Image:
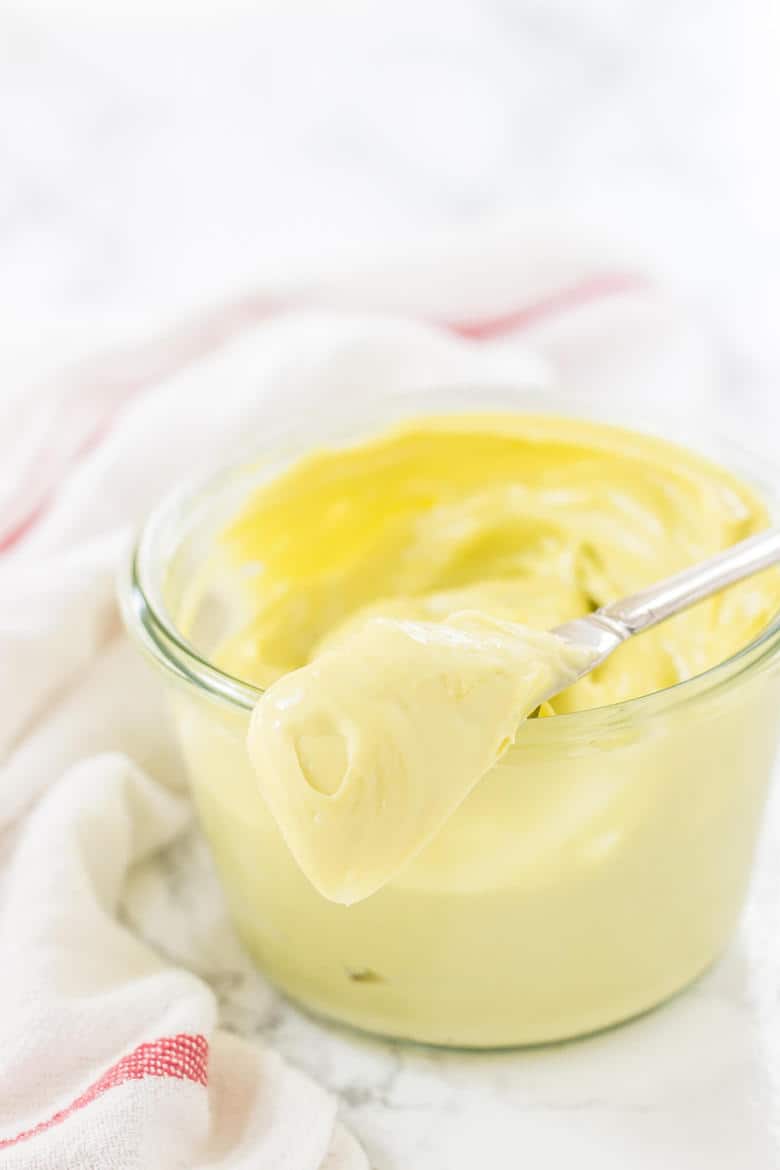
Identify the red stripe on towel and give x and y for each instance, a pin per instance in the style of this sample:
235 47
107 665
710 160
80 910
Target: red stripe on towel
182 1058
577 296
165 356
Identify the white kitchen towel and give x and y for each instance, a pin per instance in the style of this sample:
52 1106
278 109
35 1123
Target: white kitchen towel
109 1058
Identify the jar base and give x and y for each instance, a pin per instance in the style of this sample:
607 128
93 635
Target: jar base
363 1023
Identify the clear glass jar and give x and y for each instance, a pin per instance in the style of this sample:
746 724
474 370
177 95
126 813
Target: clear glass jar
486 938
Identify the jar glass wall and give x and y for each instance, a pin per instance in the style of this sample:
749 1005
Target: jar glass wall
598 868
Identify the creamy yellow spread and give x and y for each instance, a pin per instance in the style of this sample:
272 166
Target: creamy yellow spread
363 754
399 592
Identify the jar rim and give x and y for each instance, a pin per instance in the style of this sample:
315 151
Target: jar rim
148 620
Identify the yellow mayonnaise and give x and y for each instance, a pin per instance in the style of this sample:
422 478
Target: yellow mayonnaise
364 754
511 883
536 520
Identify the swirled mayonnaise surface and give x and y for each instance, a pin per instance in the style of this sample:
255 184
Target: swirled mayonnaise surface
399 593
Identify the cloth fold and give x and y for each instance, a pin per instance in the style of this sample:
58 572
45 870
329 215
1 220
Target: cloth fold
110 1058
133 1071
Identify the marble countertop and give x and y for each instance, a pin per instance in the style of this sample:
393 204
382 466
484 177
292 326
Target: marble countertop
155 155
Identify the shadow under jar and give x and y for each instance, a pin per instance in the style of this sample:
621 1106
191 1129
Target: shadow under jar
597 869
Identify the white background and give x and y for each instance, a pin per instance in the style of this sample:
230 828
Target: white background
152 154
156 155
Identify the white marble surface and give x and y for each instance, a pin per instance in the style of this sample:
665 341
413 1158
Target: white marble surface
152 155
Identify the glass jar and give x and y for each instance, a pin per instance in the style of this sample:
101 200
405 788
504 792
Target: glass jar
594 872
